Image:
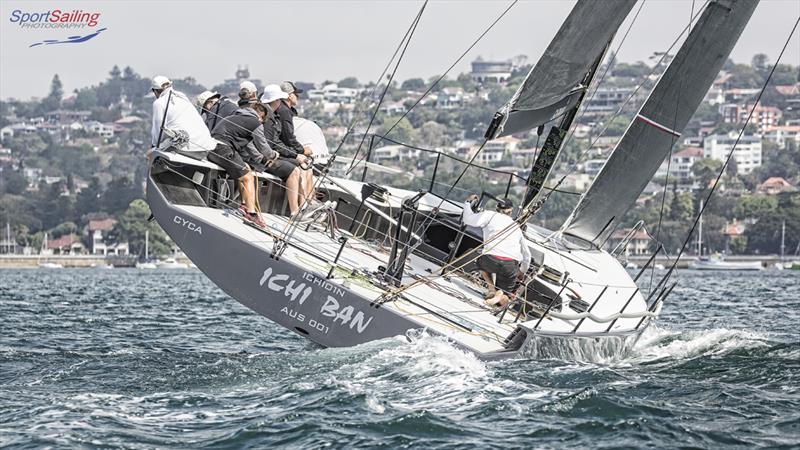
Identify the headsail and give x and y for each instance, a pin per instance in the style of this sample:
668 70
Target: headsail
660 121
554 84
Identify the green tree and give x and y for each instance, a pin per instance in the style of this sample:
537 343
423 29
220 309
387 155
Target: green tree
133 225
13 181
413 84
349 82
755 206
53 99
682 207
62 229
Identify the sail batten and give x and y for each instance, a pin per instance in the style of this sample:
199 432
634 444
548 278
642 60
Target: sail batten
660 121
554 83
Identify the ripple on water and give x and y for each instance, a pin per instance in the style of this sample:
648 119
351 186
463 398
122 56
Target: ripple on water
123 358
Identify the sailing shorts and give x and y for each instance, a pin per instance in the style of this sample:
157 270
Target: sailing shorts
505 271
281 168
228 159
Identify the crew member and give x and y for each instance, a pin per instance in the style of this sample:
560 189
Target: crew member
264 139
505 251
173 113
214 107
293 149
234 134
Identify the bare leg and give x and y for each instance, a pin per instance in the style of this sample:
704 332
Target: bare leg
487 277
309 184
292 191
247 188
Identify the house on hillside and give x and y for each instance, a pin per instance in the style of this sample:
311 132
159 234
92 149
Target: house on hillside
775 186
98 230
69 244
638 244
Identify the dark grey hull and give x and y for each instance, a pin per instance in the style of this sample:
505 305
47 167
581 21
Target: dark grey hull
279 290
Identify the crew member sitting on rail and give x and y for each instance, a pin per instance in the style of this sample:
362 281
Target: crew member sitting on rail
293 150
214 107
233 134
174 115
273 97
505 251
263 140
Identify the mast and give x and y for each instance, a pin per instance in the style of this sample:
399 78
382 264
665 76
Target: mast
541 168
146 245
783 238
8 237
700 233
659 122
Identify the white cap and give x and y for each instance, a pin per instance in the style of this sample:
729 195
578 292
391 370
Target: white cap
273 92
249 86
204 97
160 82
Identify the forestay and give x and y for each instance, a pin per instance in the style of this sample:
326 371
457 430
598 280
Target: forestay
660 121
554 84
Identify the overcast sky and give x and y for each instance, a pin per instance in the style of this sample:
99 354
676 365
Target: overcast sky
331 39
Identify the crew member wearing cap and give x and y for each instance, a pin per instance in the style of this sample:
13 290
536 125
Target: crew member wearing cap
285 113
260 150
293 99
214 107
174 111
275 97
505 252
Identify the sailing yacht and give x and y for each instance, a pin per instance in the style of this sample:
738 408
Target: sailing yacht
716 262
46 264
146 264
385 260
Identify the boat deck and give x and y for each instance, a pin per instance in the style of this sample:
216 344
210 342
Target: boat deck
452 306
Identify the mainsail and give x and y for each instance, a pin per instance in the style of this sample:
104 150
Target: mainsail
660 121
554 84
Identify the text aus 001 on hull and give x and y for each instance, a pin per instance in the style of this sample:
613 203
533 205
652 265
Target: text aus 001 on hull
297 292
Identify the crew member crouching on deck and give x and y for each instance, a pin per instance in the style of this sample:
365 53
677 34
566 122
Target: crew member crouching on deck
505 252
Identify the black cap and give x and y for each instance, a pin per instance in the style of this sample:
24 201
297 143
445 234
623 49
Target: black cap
504 204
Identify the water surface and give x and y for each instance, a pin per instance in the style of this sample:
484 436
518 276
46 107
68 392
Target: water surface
144 359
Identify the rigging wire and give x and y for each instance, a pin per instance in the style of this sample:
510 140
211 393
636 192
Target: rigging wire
407 38
441 77
669 166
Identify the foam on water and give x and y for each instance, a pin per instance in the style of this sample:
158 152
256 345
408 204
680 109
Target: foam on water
168 360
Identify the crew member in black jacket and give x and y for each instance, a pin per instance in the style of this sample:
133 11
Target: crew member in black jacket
233 135
291 150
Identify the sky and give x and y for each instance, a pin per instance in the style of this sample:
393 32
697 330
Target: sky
325 39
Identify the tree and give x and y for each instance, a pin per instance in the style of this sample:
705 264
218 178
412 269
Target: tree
63 229
706 170
413 84
119 194
760 62
755 206
53 99
133 225
349 82
682 207
13 181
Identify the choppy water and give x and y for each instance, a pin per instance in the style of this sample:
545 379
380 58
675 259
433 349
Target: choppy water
144 359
